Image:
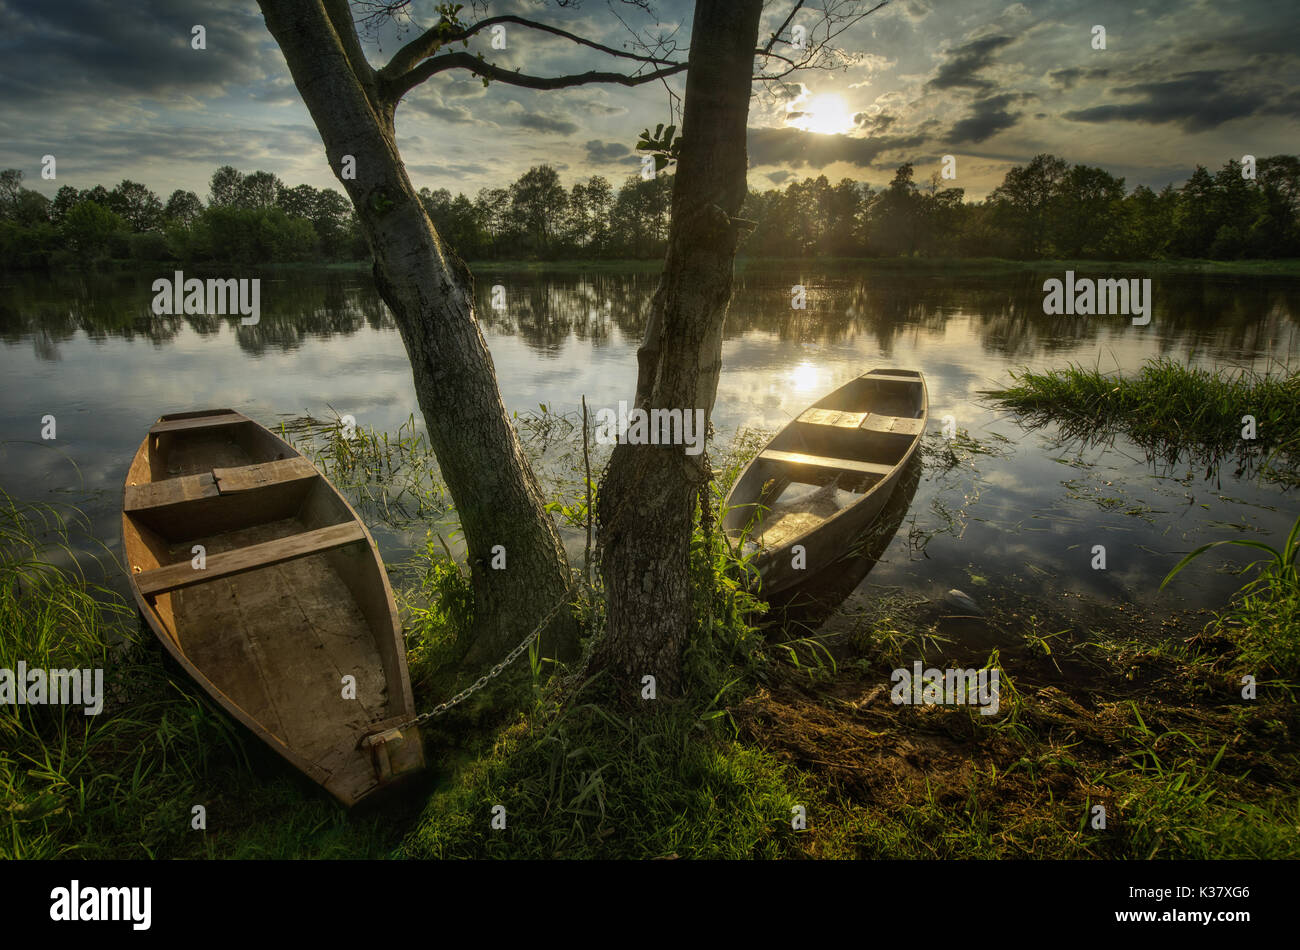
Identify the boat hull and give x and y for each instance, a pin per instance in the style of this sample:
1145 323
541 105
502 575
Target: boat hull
263 585
846 454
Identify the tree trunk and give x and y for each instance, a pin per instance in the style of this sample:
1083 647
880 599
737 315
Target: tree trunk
649 493
430 292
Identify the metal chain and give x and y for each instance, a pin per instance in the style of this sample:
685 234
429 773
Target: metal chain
496 671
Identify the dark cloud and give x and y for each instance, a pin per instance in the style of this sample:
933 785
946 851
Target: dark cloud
988 117
546 123
443 169
963 62
461 89
602 153
795 149
916 10
1198 100
1067 78
874 124
434 108
780 177
1257 42
73 49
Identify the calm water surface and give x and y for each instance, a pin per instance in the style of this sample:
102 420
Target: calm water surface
87 350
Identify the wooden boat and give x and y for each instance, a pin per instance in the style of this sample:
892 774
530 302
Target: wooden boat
802 500
290 597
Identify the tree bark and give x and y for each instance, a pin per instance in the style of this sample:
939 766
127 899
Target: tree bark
648 496
430 292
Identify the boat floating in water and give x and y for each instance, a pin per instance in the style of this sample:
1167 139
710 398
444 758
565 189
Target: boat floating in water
263 584
822 479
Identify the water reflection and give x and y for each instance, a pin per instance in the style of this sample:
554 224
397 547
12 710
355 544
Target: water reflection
87 349
804 608
1213 313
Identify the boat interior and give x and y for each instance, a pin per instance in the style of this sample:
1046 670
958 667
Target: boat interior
263 621
829 458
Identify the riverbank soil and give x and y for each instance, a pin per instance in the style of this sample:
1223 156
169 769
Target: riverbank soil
1139 713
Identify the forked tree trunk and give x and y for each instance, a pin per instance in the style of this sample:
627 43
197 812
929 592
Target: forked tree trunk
430 292
649 493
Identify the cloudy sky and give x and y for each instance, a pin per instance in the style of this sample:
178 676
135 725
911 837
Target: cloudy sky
114 90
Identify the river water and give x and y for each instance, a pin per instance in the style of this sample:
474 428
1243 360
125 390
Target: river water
87 350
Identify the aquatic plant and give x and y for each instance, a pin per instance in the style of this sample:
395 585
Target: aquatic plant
1172 411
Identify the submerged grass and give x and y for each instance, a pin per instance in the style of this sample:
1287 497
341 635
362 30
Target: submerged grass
1172 411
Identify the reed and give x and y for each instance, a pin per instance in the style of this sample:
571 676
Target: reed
1172 411
1263 619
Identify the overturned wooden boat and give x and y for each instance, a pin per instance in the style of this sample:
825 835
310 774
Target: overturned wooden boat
821 481
262 583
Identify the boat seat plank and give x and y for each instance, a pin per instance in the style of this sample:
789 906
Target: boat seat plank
171 491
175 576
197 422
900 425
249 477
833 417
891 378
819 461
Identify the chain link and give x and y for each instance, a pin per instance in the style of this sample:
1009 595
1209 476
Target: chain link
496 671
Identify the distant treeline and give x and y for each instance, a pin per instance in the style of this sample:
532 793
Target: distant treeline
1044 209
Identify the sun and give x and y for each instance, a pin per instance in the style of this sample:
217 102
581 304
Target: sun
827 114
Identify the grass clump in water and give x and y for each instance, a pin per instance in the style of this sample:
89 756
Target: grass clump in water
1172 411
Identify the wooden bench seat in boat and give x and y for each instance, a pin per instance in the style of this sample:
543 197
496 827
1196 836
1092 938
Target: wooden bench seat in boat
173 491
220 481
197 422
891 378
833 417
898 425
254 556
819 461
249 477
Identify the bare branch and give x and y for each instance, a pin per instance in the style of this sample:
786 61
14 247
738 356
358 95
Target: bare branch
781 29
821 53
394 89
430 41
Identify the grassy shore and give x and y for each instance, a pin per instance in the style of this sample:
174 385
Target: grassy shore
1140 715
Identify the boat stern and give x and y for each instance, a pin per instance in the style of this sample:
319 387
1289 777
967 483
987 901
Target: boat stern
394 753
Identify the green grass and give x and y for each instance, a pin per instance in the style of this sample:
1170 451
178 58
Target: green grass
582 775
581 772
123 784
389 478
1170 410
1264 617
